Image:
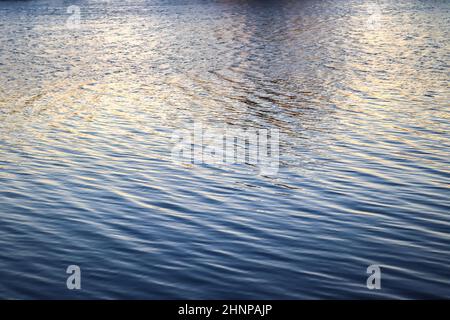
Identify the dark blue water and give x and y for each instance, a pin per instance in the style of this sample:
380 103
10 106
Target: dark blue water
358 89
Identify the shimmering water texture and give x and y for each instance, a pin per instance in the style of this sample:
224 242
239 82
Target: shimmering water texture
358 90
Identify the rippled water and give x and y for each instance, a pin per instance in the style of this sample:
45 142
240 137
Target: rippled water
358 89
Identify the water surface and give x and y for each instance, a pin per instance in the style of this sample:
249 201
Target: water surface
358 89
